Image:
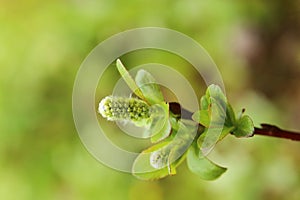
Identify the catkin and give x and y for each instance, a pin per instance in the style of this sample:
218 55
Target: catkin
124 109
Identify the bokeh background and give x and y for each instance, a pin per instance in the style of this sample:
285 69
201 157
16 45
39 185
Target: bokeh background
256 45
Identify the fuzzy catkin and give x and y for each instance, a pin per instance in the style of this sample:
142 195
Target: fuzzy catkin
124 109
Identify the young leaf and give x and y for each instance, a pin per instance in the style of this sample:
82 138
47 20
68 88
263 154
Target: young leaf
244 127
202 117
202 166
215 92
230 116
160 127
217 112
216 134
213 108
213 116
204 102
148 86
184 136
163 133
129 80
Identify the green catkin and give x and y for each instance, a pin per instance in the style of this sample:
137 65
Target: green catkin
124 109
161 157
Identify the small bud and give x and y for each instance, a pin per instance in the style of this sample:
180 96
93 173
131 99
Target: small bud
159 158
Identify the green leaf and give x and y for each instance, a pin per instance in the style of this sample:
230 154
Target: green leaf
215 92
143 168
226 130
160 127
217 112
212 116
211 136
163 133
202 117
129 80
230 116
204 103
174 122
202 166
148 86
213 107
244 127
184 136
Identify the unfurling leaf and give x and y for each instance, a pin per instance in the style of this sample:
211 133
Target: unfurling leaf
213 108
230 116
214 91
160 127
202 117
129 80
212 116
150 89
244 127
216 134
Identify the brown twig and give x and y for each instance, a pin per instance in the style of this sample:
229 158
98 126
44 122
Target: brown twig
274 131
266 129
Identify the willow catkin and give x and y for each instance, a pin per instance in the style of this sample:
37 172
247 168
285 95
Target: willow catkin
124 109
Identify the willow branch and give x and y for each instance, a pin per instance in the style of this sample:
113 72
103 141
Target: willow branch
274 131
266 129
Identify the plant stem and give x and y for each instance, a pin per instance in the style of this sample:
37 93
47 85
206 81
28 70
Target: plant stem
266 129
274 131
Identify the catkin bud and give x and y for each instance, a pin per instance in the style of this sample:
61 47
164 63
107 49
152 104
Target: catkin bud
159 158
124 109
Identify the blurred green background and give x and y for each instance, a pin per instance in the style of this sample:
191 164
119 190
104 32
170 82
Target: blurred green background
256 45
